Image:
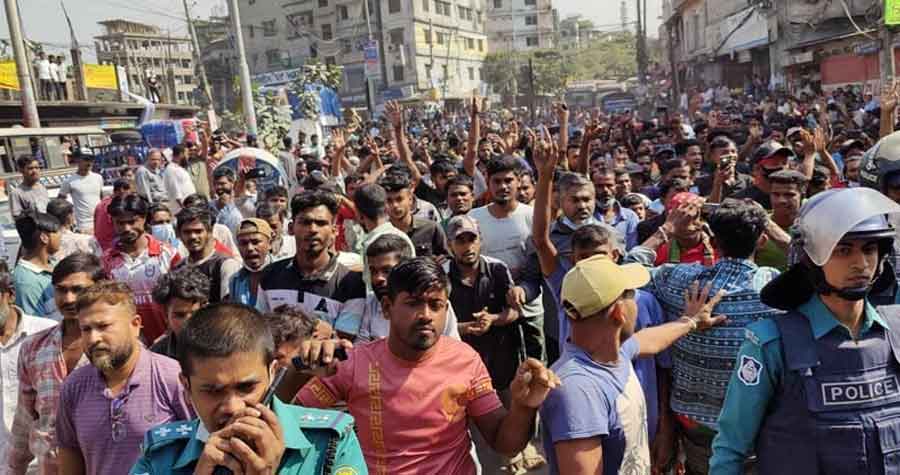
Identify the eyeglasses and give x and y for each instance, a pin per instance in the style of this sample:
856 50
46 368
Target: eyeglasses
117 416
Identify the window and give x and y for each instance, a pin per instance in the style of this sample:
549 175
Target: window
355 79
442 8
252 32
444 69
481 45
299 23
269 28
346 46
531 41
470 43
498 3
394 6
326 32
398 72
273 58
480 73
425 5
465 13
343 12
428 70
330 60
531 20
471 73
530 2
252 2
440 37
323 3
427 32
397 36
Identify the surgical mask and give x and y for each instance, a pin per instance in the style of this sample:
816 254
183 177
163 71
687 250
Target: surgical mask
164 233
268 261
571 224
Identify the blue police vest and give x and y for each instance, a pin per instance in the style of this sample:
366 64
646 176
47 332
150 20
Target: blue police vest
837 410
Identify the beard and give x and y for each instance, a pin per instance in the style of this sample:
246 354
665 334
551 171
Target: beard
380 292
129 237
111 358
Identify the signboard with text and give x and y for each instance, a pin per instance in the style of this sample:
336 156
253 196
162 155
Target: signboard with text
370 53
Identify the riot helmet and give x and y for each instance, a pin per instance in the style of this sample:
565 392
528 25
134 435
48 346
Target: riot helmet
880 162
824 221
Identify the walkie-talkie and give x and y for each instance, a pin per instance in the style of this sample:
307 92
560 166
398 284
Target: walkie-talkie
265 401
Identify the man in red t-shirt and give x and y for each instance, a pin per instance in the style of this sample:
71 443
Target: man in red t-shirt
104 230
414 393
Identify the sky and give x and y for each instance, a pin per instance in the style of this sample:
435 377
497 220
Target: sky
44 21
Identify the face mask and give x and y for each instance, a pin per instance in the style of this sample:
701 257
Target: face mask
164 233
568 222
265 264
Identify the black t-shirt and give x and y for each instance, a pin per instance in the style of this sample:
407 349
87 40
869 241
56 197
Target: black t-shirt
758 195
428 237
430 194
501 348
336 294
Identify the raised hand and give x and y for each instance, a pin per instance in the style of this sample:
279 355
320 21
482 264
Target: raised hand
394 112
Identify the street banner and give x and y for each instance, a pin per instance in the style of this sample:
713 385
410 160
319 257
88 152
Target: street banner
370 53
9 78
100 76
892 12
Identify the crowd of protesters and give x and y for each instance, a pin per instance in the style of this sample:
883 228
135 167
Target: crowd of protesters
454 293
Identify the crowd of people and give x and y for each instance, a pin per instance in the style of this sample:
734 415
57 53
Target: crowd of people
434 292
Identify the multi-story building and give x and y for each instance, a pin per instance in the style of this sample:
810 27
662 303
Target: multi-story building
145 50
426 48
518 25
575 31
798 45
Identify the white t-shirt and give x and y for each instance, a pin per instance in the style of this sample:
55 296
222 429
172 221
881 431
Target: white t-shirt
43 66
54 72
85 192
178 185
505 239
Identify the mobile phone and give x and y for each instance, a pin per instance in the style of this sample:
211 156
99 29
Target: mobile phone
340 354
265 401
255 173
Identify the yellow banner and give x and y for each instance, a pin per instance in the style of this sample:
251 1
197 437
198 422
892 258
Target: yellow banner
8 77
100 76
891 12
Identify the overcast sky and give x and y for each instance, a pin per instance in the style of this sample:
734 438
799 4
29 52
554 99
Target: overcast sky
44 20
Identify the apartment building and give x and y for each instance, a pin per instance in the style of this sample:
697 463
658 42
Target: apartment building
427 48
518 25
147 50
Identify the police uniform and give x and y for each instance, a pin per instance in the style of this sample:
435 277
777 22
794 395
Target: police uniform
806 395
317 442
810 399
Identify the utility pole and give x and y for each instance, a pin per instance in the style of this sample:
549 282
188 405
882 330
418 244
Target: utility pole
639 43
246 87
531 84
370 83
23 68
197 57
888 67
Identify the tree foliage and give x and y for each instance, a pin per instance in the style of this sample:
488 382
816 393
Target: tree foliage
613 56
315 73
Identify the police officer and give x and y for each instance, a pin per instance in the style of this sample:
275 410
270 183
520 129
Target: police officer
227 362
815 390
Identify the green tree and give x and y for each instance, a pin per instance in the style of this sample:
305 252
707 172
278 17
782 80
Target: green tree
315 73
273 118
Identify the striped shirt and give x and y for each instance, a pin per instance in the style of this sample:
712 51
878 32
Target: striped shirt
42 371
108 429
141 274
702 362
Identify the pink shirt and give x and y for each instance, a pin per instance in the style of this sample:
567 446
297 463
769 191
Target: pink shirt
412 416
104 230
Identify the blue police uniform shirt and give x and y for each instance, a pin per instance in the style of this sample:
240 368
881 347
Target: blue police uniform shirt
311 436
758 370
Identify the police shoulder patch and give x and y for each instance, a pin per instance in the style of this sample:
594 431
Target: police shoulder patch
168 433
761 332
749 370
